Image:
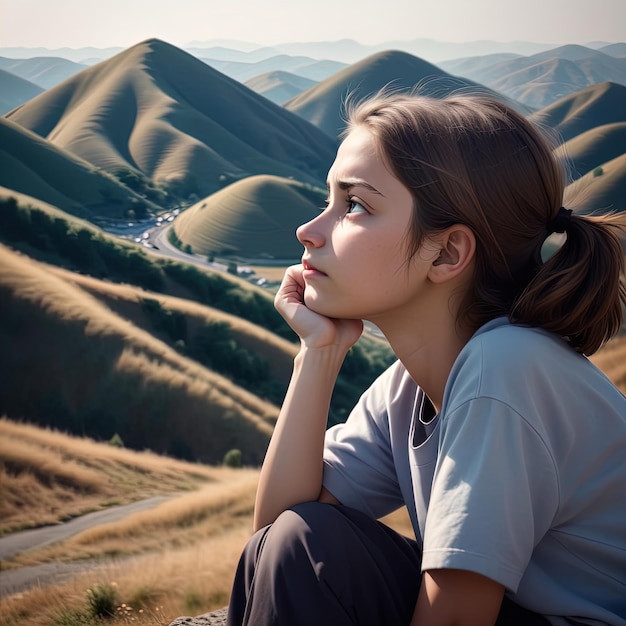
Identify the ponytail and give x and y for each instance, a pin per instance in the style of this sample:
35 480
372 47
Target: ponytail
578 293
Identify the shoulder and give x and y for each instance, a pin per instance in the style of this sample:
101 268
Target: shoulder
508 362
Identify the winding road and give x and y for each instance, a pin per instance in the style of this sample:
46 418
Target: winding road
18 579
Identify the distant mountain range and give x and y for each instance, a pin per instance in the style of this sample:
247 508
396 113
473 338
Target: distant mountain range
543 78
344 50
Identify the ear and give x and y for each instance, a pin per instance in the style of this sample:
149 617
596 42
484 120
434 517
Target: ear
457 246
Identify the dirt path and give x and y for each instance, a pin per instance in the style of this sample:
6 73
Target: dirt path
15 580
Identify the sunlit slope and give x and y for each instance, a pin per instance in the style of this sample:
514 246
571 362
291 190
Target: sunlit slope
158 110
69 360
603 189
604 103
322 105
15 90
279 86
256 218
595 147
35 166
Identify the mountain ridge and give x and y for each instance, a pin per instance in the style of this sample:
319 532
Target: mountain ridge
153 109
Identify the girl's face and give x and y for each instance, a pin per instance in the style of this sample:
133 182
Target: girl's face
354 261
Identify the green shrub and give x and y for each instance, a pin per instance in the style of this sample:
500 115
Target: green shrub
116 441
233 458
101 600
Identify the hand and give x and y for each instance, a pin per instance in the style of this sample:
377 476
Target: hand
315 330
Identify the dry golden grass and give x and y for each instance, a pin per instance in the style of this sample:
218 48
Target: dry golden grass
611 359
102 359
178 558
151 589
184 551
126 301
182 521
47 476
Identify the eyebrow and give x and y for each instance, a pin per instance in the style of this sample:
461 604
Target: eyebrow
354 182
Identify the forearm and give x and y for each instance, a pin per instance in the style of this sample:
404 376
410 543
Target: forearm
292 470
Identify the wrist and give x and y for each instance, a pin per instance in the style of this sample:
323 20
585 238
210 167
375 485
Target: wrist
328 359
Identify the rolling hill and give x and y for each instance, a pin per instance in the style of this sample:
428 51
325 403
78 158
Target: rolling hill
111 376
279 86
322 104
603 189
45 72
34 166
595 147
156 110
253 218
15 90
592 126
584 110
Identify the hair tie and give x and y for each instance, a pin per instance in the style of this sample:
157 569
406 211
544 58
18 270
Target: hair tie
561 222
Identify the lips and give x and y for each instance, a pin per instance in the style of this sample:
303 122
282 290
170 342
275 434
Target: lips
310 270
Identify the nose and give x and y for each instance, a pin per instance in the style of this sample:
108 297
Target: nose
310 235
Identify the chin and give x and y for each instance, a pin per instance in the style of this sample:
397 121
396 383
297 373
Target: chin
329 309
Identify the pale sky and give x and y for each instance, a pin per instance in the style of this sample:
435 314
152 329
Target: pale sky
108 23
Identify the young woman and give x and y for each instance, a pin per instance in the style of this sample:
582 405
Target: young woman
505 443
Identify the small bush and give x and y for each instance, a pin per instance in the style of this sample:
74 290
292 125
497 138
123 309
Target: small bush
101 599
233 458
598 171
116 441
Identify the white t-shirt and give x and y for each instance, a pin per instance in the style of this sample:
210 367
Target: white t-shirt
521 477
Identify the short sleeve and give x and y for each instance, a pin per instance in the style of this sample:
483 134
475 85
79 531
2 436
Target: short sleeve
359 467
494 493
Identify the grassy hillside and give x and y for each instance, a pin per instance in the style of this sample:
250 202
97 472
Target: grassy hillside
158 112
253 218
322 105
588 108
603 189
595 147
184 551
15 90
32 165
175 353
70 361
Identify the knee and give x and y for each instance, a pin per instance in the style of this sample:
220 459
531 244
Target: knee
304 521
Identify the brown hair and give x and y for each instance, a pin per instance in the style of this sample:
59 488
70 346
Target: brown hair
473 160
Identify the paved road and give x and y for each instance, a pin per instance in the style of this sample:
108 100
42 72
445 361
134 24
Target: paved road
21 578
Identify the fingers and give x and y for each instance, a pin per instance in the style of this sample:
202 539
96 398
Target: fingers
291 290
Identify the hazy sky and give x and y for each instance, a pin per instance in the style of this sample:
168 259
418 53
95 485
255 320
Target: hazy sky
103 23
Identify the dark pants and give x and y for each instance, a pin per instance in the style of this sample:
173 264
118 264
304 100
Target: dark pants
326 565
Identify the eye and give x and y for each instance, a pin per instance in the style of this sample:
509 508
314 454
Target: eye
355 207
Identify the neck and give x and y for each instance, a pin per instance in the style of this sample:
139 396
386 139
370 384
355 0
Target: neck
427 346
